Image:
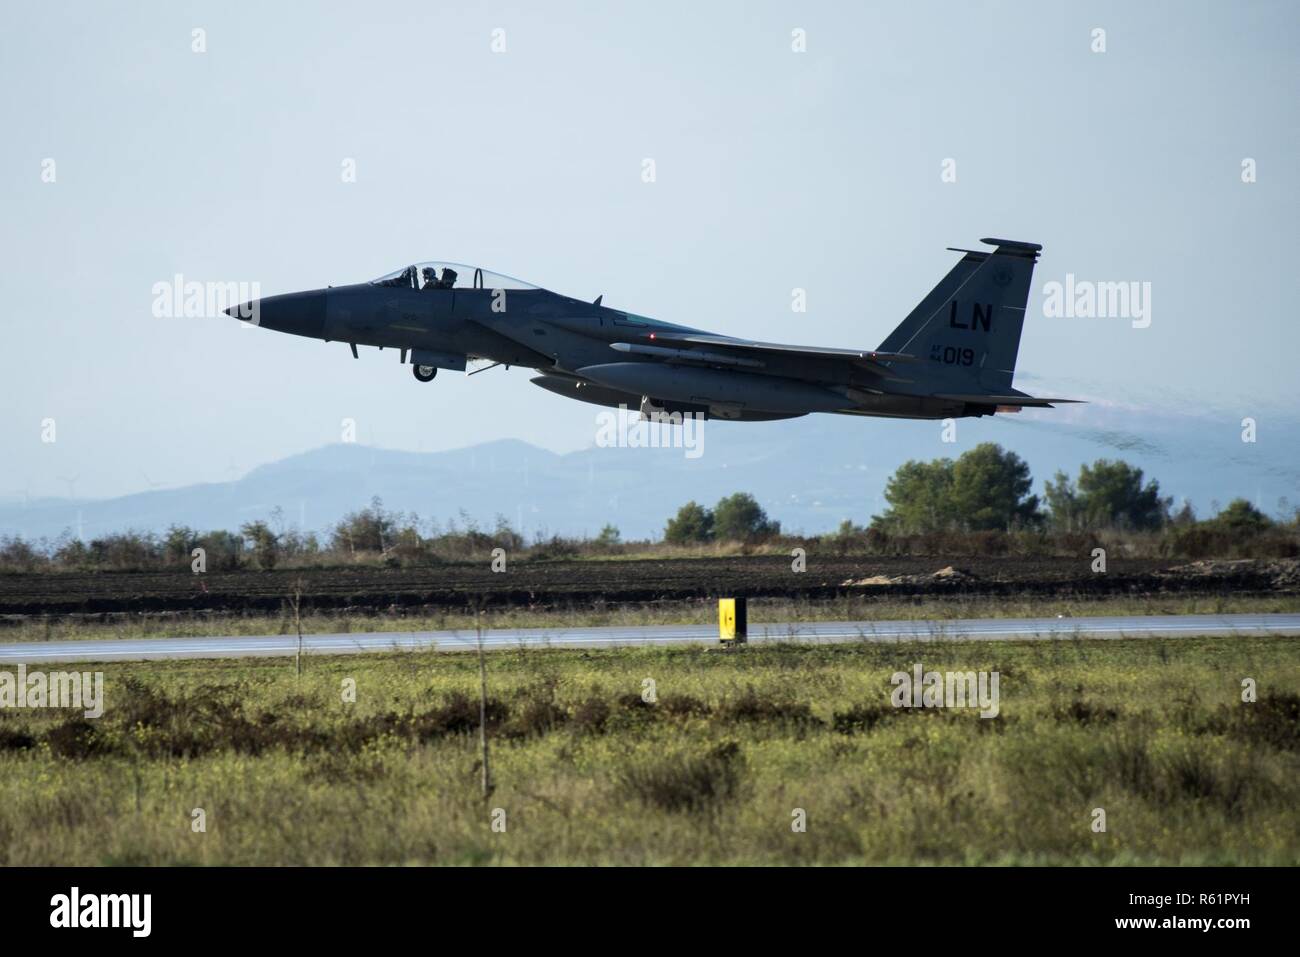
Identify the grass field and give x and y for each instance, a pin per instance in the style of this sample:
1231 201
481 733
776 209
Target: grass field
715 770
703 612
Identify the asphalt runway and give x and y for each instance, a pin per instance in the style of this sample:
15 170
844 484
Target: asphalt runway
973 629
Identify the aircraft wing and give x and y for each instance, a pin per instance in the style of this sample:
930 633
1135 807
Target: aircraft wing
752 353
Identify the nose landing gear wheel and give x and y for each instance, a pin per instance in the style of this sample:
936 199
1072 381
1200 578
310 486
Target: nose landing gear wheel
424 373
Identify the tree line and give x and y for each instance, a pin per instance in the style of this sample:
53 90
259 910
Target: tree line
982 502
988 491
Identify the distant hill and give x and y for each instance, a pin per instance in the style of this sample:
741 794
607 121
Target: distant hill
809 473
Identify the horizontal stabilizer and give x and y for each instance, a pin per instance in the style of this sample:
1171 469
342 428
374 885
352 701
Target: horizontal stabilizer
1025 400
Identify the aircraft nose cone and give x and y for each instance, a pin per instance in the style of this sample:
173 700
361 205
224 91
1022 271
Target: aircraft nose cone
297 313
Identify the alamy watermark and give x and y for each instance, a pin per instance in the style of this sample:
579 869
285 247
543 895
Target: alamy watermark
57 689
130 911
946 689
179 298
1085 299
656 429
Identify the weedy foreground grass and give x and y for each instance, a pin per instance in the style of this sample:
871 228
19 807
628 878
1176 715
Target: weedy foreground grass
776 754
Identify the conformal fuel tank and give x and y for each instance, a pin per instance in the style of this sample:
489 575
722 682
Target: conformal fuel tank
715 387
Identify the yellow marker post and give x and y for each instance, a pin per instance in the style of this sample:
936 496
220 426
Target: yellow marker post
733 621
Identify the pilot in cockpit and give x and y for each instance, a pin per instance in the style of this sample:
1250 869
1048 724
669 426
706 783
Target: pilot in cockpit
430 277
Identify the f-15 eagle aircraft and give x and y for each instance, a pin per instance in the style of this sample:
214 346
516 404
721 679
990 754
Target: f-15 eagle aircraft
954 355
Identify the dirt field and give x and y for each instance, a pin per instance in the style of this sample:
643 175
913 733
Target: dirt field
572 584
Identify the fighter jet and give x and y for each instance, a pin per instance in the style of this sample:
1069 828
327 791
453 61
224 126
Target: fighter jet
954 355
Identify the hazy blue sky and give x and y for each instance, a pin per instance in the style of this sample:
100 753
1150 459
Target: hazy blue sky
775 170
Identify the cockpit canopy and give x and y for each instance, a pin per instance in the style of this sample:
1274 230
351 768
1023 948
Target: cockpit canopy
444 275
